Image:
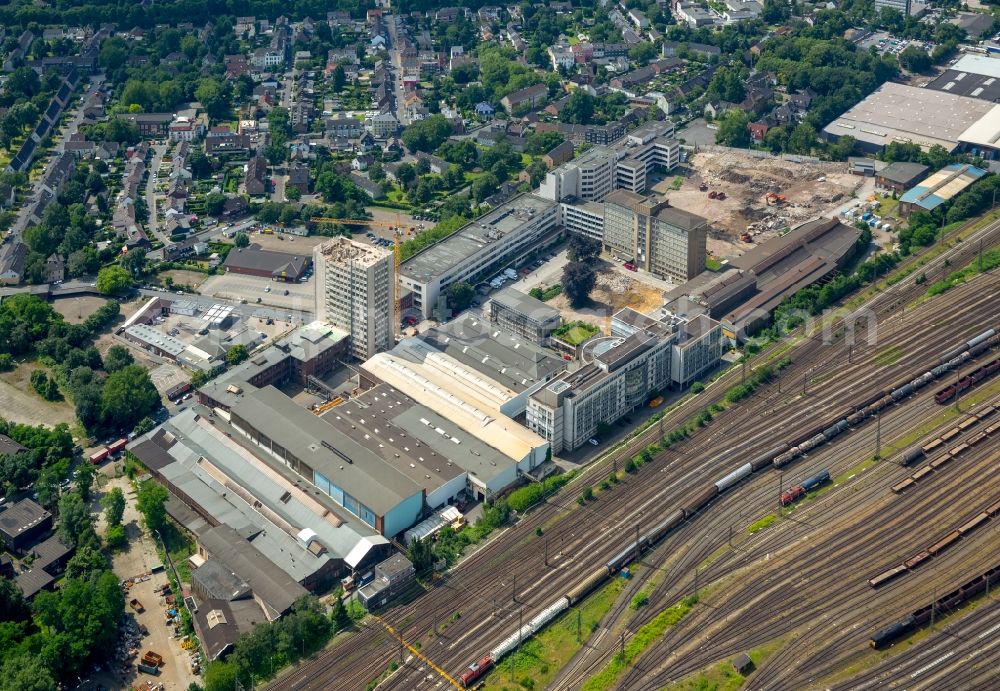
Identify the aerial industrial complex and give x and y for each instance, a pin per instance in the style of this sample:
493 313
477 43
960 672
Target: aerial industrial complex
351 347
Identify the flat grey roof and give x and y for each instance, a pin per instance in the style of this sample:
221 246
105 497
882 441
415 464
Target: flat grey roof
397 423
376 483
525 304
981 86
509 360
685 220
897 112
199 455
903 172
256 259
9 446
471 238
219 582
22 516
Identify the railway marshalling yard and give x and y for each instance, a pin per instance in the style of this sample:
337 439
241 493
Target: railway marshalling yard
789 587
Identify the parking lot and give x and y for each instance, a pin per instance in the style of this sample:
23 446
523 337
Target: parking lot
236 287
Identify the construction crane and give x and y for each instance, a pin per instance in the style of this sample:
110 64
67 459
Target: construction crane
397 232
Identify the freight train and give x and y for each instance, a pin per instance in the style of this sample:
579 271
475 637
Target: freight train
938 547
968 381
779 456
883 638
939 444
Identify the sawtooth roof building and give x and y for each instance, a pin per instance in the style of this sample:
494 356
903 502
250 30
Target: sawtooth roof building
781 266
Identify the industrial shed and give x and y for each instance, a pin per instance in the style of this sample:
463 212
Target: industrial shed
254 261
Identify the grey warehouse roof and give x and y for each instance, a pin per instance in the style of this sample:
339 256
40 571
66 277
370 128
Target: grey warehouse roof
473 237
270 584
507 359
377 484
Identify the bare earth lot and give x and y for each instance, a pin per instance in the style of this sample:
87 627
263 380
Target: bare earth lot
185 277
138 559
811 189
76 310
19 403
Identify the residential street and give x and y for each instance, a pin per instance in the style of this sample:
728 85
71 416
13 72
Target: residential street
159 150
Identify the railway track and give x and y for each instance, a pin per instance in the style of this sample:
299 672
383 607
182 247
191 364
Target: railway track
772 608
964 655
694 544
475 585
664 502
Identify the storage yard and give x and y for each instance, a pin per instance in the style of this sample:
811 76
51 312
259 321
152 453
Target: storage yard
809 189
833 407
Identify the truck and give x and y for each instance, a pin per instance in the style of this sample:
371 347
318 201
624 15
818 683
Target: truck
136 605
148 669
117 447
98 455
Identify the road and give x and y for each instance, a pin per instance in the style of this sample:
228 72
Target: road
399 96
159 150
208 233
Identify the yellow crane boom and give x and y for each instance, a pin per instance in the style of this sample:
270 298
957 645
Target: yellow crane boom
397 233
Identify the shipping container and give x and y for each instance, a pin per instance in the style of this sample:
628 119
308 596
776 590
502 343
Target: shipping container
98 455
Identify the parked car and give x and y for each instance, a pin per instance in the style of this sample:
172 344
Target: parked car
593 441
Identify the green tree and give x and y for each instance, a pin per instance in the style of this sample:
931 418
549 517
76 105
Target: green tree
134 262
150 501
214 203
26 673
115 537
578 109
293 194
642 52
113 503
582 248
84 479
74 519
406 173
241 240
117 357
427 134
484 187
733 129
578 280
802 139
237 354
128 396
144 425
460 295
339 79
113 280
213 95
914 59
